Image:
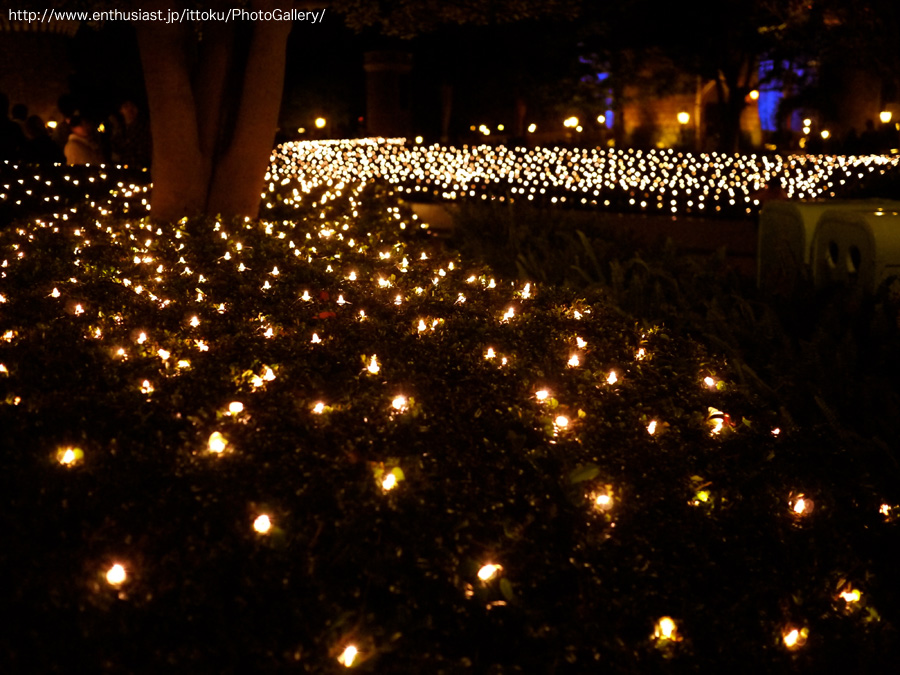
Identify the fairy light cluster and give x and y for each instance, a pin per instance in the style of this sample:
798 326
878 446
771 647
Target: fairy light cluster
159 303
663 181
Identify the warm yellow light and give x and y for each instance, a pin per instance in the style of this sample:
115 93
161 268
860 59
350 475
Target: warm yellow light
683 117
651 428
490 353
794 638
851 595
541 395
262 524
488 572
51 124
570 122
885 116
389 482
574 361
419 139
807 122
69 456
320 123
532 128
603 501
373 366
825 134
116 575
754 95
666 629
561 421
500 127
399 403
217 442
709 382
348 656
612 378
601 119
235 407
802 506
319 408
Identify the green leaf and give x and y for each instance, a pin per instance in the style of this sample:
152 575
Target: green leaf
583 473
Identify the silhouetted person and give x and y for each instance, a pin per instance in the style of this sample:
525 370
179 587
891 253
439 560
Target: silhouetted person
131 143
39 147
868 140
11 137
81 147
19 113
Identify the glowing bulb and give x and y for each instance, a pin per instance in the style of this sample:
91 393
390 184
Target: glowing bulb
612 378
235 407
683 117
399 403
651 428
195 321
802 506
541 395
262 524
794 638
115 575
269 375
319 408
488 572
348 656
373 366
574 361
603 501
666 629
69 456
561 421
709 382
389 482
142 338
320 123
510 313
850 595
885 116
489 354
315 339
580 342
217 442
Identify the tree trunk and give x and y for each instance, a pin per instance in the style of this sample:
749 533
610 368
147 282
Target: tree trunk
213 112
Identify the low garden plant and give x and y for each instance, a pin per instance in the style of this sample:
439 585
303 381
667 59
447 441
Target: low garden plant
320 442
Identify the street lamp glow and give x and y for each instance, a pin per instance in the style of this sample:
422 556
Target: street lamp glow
885 116
320 123
532 128
754 95
684 117
570 122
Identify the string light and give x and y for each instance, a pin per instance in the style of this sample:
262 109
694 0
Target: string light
348 656
489 571
794 638
116 575
262 524
217 442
